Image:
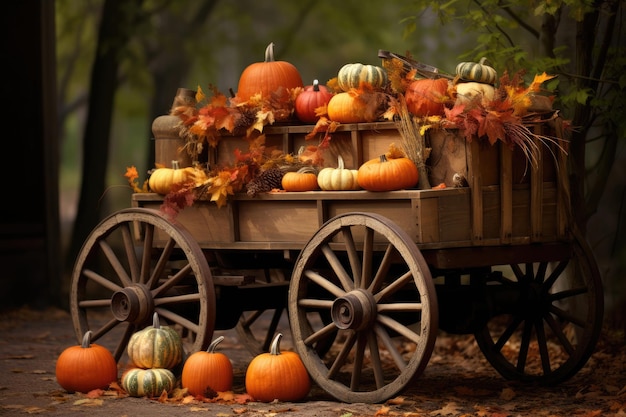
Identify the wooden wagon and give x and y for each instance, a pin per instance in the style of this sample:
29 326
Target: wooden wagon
367 279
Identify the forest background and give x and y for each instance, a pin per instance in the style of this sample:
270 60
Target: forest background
120 63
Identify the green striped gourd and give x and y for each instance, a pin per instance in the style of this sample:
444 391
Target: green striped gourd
479 72
155 346
352 75
139 382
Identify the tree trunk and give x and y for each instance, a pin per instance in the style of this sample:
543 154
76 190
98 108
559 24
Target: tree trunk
115 30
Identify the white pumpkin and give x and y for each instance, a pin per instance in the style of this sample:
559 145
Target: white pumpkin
465 92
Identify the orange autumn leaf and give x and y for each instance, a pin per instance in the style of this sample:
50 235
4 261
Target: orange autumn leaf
221 188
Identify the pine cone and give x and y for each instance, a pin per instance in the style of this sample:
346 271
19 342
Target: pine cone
266 181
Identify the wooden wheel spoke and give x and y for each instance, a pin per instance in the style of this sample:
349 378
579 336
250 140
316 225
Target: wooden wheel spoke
146 258
541 272
530 272
382 271
542 343
368 255
394 286
558 331
398 327
359 356
104 329
121 346
391 348
161 263
572 292
172 281
311 303
115 263
252 317
324 283
506 335
271 329
525 344
377 366
562 314
178 319
346 281
102 302
353 257
399 307
176 299
99 279
320 334
556 273
129 248
517 271
342 356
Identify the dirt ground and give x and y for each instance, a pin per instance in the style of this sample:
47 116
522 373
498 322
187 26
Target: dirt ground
458 381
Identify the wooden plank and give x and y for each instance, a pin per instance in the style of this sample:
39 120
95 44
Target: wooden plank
536 191
506 194
476 186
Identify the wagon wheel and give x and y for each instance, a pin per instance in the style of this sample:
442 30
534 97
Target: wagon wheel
369 276
135 263
256 329
550 332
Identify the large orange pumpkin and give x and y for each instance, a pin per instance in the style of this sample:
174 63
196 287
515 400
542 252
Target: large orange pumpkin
277 375
427 97
267 77
85 367
383 174
208 370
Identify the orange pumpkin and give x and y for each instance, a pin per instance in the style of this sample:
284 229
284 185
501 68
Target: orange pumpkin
305 179
313 97
427 97
277 375
85 367
382 174
348 107
267 77
207 370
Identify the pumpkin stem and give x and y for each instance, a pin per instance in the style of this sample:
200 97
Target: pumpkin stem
86 340
155 321
316 85
269 52
214 344
275 346
383 158
340 164
483 61
175 164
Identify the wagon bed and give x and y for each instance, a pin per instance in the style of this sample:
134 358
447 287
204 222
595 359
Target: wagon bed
368 275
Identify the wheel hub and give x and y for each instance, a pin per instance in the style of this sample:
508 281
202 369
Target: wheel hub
134 304
356 310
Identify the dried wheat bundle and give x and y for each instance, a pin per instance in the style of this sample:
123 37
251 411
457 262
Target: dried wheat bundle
413 142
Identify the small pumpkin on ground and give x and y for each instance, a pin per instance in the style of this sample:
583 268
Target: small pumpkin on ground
338 179
311 98
155 346
207 370
139 382
388 174
305 179
85 367
277 375
267 77
352 75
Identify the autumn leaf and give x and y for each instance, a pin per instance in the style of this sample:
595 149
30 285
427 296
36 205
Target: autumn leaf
221 188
